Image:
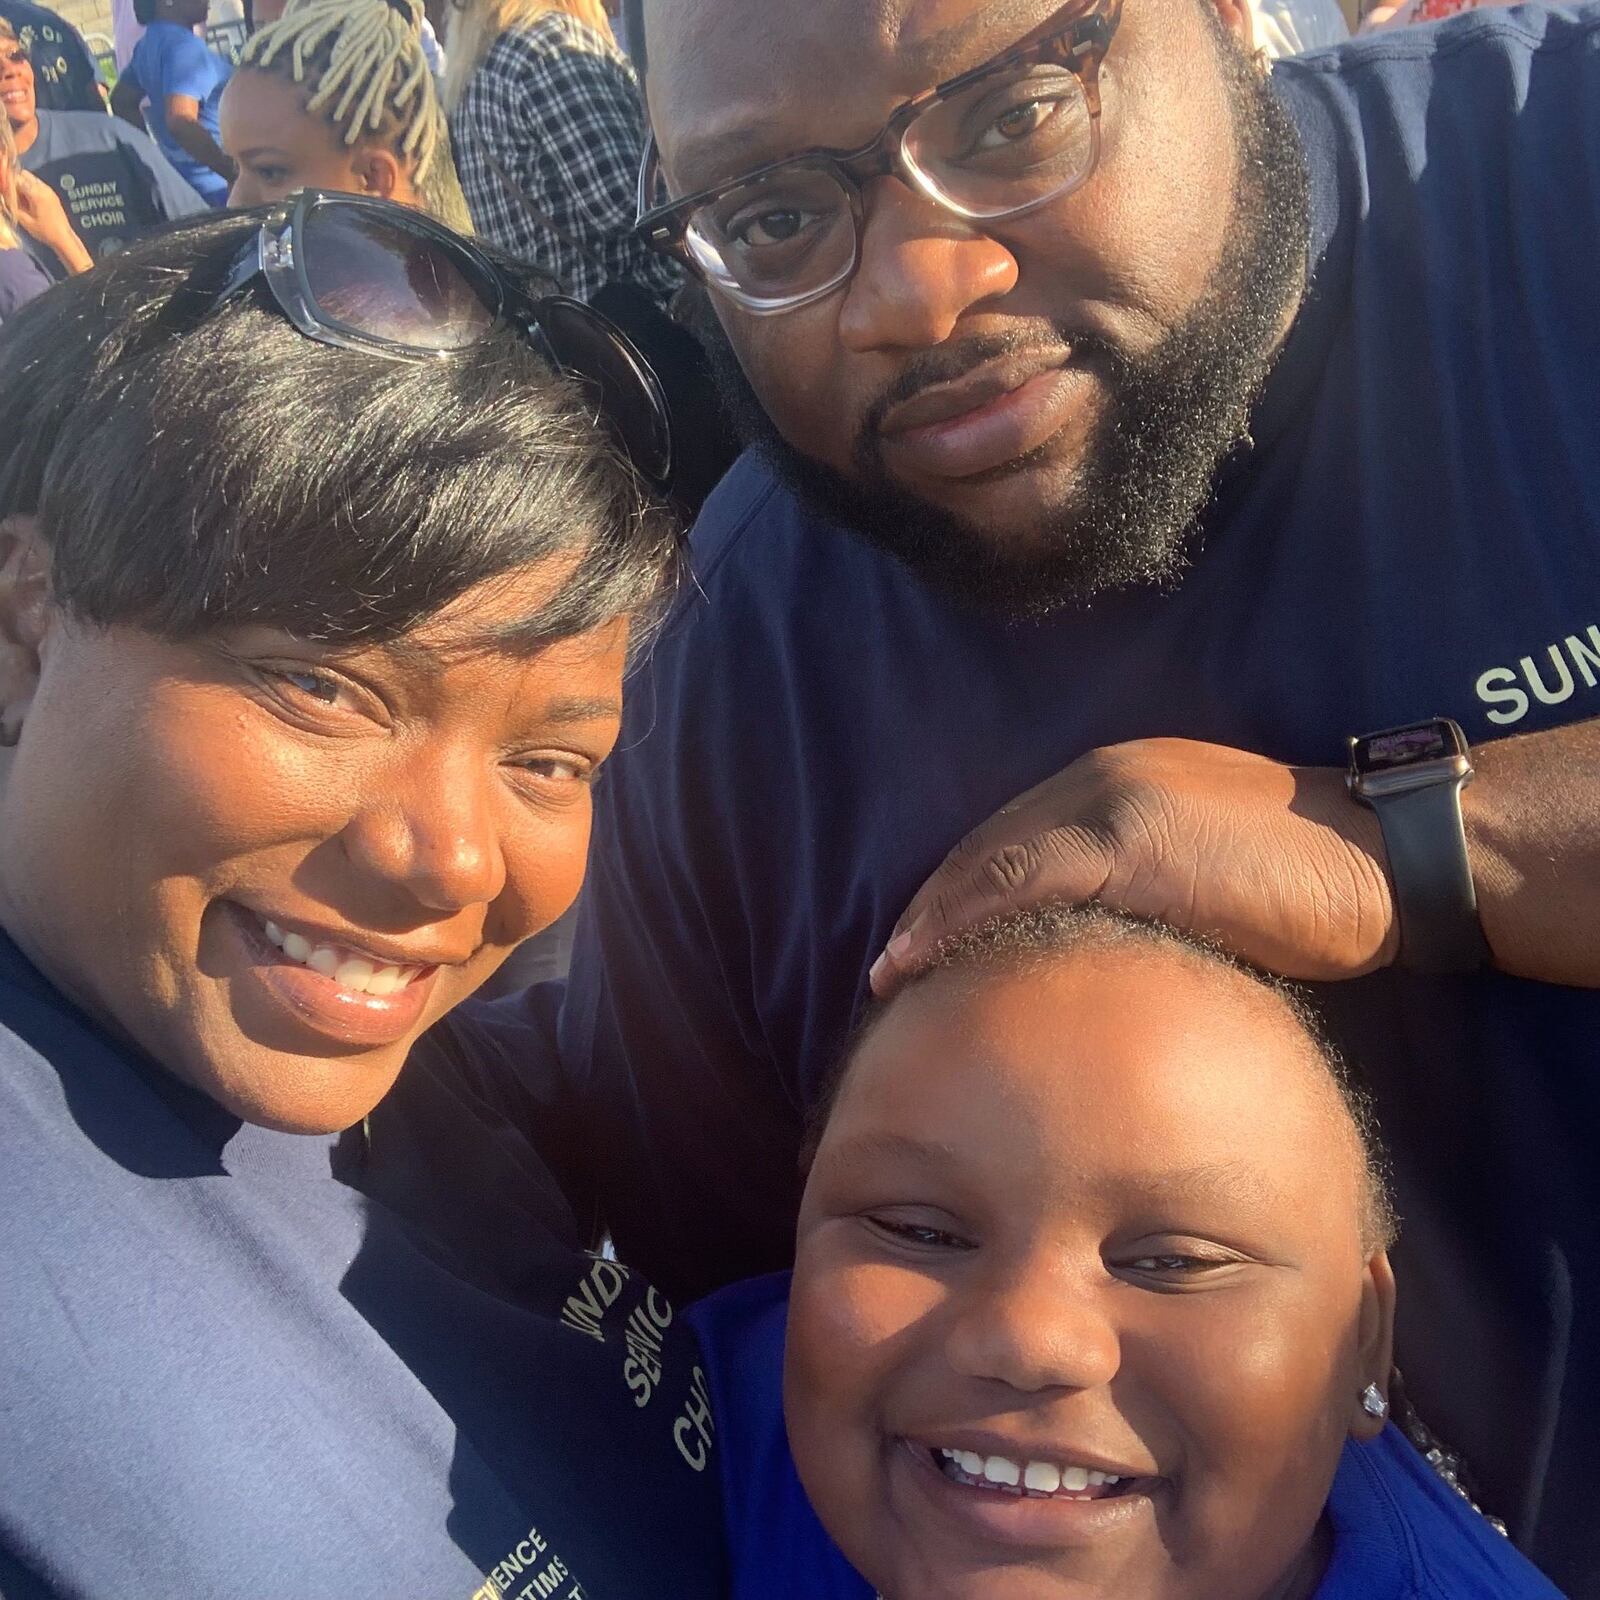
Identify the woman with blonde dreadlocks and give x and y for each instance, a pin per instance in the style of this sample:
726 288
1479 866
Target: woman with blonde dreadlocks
337 94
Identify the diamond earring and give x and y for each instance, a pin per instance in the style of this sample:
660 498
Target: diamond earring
1372 1401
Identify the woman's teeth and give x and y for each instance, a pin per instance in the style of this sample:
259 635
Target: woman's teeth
346 970
1026 1477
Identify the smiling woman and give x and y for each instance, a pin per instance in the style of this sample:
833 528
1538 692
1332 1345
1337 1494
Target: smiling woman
310 656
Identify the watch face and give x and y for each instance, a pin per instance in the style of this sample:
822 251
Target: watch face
1405 747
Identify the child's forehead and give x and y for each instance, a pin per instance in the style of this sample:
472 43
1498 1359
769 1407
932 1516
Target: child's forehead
1137 1046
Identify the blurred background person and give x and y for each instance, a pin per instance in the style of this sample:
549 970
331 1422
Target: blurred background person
338 94
64 73
1289 27
112 180
549 130
1409 11
28 207
181 78
263 13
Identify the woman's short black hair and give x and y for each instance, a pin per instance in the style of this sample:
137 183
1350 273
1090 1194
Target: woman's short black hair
1041 935
192 470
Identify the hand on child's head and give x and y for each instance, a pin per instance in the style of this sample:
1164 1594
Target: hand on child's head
1091 1198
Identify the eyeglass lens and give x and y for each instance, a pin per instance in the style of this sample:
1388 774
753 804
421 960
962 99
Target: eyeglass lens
626 395
386 282
1005 143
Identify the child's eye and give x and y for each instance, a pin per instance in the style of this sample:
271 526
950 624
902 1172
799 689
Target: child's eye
919 1234
1171 1264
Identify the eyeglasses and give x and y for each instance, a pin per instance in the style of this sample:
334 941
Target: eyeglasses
999 141
367 274
17 57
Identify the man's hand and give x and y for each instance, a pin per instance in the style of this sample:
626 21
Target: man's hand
1276 862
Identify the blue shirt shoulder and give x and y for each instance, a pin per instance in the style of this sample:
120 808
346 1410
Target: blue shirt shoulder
1399 1533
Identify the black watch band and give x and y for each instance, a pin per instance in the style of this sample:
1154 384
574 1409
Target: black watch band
1412 778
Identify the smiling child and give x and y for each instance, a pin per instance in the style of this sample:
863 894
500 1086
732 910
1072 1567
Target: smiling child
1091 1299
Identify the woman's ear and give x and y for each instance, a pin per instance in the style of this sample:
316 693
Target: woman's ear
1375 1355
378 172
25 611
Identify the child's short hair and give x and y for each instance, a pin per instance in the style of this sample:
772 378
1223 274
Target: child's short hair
1036 938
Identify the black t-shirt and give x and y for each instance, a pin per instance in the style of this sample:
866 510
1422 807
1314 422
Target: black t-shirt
238 1362
64 74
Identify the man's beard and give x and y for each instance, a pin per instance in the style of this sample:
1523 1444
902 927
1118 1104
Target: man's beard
1173 416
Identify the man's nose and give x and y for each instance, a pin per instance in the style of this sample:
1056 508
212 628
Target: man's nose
431 828
921 269
1033 1327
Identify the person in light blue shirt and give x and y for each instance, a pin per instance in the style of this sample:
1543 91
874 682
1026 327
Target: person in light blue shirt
1091 1299
181 78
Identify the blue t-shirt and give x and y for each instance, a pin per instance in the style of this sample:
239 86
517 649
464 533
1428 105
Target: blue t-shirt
21 279
1399 1533
1416 532
172 60
239 1362
113 181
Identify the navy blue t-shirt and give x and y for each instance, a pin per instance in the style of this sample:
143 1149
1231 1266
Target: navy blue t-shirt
239 1362
1399 1532
113 181
1417 532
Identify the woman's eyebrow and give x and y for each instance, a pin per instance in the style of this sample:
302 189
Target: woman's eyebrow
570 708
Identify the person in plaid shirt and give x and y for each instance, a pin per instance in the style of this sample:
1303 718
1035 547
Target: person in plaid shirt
548 127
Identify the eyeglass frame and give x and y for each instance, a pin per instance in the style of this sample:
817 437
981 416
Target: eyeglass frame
1084 27
270 256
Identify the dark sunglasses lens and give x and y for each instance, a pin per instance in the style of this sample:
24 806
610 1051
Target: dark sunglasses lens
625 389
373 276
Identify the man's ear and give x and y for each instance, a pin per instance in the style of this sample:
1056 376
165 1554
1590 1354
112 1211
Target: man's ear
1240 20
1375 1354
25 613
378 172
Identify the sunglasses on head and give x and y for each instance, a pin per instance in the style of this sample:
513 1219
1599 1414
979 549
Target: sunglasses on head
365 274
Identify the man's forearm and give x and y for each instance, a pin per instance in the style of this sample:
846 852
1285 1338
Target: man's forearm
1533 830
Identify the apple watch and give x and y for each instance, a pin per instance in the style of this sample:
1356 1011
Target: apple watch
1412 778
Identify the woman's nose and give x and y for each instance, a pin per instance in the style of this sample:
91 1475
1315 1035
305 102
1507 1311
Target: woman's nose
433 830
1034 1327
921 269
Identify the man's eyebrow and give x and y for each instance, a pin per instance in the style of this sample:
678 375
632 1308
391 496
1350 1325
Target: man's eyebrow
951 50
742 141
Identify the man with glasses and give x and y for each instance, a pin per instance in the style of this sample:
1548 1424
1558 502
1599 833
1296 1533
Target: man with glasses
1176 485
